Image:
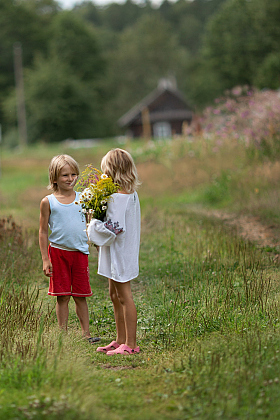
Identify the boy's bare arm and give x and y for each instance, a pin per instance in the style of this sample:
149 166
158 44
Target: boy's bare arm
43 236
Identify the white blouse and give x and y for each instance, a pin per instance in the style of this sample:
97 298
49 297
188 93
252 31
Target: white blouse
118 238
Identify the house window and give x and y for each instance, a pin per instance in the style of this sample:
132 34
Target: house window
162 129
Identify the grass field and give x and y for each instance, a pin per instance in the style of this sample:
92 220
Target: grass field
207 299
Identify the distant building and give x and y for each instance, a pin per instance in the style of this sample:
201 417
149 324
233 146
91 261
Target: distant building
163 113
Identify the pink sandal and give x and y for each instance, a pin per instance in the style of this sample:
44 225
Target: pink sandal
123 349
112 346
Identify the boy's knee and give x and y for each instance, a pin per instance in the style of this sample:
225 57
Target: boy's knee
79 300
63 299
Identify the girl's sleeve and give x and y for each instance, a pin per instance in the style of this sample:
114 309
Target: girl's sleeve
99 234
105 233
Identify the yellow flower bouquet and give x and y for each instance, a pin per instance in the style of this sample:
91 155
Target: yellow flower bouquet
95 189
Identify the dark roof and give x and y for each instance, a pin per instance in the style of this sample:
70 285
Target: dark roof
135 113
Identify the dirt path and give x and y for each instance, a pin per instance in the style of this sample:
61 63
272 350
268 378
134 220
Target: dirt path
157 178
249 227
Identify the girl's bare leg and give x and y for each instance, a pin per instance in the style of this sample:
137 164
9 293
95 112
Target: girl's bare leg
82 314
118 311
129 312
62 311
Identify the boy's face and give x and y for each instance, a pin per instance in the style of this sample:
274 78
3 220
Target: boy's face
67 178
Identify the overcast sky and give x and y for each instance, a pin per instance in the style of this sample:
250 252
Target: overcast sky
68 4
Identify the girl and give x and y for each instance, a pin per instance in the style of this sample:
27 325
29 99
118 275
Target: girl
119 241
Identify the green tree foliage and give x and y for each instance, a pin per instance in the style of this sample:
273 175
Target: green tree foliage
229 41
89 12
75 43
25 22
241 44
62 90
131 72
146 52
120 16
267 24
202 85
112 56
114 17
59 104
188 19
268 73
204 9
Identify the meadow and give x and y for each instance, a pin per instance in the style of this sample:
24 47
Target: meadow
207 298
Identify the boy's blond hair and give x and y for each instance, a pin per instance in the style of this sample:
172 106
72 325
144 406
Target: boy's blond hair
119 165
56 166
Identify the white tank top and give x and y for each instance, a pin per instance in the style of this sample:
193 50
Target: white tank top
67 224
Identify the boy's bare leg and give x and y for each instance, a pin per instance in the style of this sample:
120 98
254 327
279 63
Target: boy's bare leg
62 311
83 315
118 311
129 312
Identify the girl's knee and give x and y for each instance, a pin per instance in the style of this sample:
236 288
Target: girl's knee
124 293
113 295
125 298
120 292
122 300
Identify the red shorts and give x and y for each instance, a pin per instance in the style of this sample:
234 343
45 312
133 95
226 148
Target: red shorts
70 273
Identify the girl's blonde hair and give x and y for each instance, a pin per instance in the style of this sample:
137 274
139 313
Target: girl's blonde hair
55 167
119 165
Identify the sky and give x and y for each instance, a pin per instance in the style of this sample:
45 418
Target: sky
69 4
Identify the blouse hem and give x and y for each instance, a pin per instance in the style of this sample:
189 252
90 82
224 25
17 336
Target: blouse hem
119 281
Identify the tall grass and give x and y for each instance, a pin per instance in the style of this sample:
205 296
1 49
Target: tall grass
21 314
207 302
29 352
208 323
212 280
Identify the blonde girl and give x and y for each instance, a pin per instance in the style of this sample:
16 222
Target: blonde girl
119 240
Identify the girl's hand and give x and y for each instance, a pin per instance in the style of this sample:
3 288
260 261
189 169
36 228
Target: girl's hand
47 268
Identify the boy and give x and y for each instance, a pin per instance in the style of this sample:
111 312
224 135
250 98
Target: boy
65 260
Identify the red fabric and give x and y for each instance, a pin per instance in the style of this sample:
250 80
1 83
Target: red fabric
70 273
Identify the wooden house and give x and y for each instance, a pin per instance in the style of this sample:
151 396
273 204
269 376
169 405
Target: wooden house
161 114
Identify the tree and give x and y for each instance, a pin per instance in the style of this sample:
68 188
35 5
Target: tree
75 43
21 22
63 89
118 17
90 12
267 23
146 52
188 19
59 104
239 38
227 43
190 31
268 74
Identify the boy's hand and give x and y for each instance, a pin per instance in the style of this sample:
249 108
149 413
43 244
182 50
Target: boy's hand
47 268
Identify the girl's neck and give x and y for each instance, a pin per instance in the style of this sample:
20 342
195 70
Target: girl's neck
123 192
